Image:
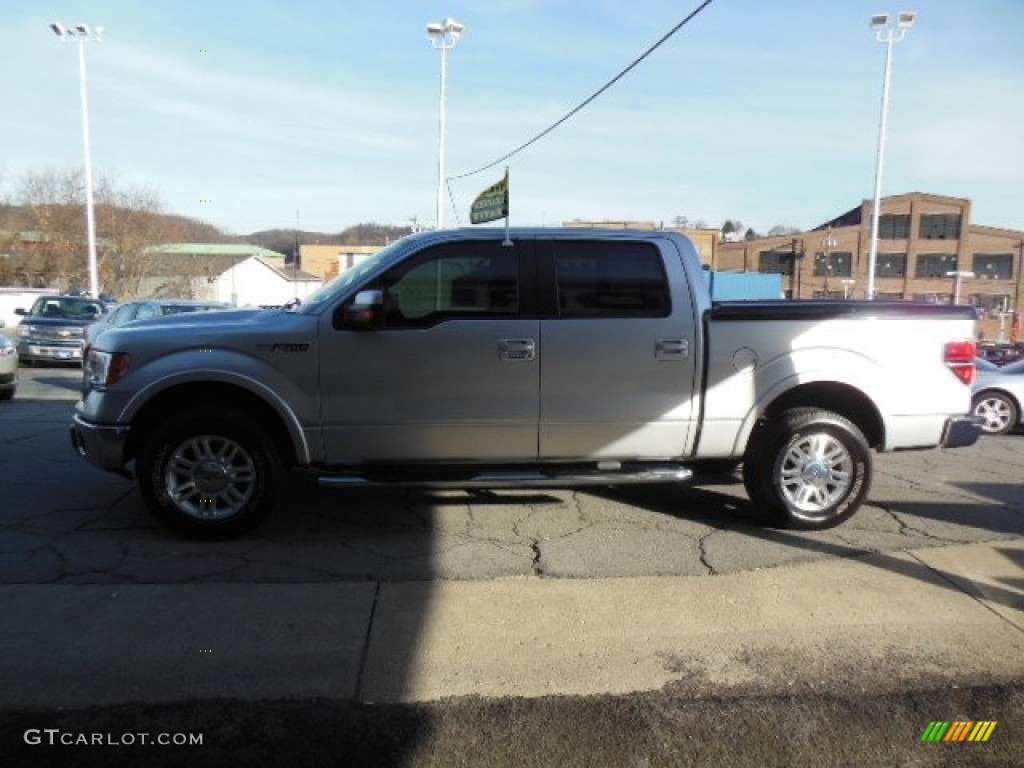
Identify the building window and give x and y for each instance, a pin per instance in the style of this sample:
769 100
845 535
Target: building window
934 298
894 226
992 304
891 265
837 264
993 266
935 264
939 226
829 295
775 262
880 296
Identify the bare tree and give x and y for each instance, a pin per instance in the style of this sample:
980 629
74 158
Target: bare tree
56 210
129 220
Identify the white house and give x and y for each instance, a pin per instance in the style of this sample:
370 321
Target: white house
262 281
238 274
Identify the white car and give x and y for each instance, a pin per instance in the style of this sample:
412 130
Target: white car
997 395
8 368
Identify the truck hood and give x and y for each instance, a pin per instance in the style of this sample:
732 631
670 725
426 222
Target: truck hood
191 329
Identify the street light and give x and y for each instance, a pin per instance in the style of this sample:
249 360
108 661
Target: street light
828 243
443 36
887 33
83 33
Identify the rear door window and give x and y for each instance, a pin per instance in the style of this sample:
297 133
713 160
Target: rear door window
610 279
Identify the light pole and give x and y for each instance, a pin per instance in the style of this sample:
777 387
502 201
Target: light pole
82 33
958 275
443 36
828 243
886 33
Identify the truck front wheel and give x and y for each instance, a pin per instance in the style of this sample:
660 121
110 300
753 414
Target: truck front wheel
209 474
807 468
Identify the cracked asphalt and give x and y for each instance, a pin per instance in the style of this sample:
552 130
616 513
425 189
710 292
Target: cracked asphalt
61 521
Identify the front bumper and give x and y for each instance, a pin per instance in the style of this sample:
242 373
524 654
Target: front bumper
59 352
101 446
961 431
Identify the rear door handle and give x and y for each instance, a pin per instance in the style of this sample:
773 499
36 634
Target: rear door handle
668 349
517 349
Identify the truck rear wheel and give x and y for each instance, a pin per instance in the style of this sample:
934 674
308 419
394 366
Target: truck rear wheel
209 474
807 468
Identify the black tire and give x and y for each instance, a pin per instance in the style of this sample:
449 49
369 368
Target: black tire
807 469
224 468
998 411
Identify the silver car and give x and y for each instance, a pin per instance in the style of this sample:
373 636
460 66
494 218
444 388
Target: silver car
997 397
8 368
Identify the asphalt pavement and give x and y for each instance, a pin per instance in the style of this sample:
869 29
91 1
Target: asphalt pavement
401 599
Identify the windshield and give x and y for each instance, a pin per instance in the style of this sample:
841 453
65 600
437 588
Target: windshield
68 308
349 277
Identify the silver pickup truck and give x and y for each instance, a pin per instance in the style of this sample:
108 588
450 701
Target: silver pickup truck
555 357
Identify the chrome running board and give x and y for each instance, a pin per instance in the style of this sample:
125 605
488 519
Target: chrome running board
534 478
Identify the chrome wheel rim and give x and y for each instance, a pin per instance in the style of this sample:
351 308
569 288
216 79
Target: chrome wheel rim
210 477
996 413
815 473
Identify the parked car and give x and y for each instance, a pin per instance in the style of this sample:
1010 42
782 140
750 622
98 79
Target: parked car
997 397
141 309
54 328
8 368
1001 354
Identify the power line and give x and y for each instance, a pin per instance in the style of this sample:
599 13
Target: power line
590 98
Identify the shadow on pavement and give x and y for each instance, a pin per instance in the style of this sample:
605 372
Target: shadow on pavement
740 517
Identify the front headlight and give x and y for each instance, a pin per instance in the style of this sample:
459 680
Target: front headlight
105 369
25 330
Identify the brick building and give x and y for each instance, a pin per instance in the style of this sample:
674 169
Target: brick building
328 261
929 249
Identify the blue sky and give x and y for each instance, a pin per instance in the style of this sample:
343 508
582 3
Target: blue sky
240 113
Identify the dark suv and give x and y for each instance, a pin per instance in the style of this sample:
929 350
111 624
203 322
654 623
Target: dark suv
54 329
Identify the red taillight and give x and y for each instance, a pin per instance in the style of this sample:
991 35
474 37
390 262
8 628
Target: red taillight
959 356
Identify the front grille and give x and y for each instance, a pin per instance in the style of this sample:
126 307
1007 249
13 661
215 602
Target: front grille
58 334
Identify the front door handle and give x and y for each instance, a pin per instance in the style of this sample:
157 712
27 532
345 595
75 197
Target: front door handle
517 349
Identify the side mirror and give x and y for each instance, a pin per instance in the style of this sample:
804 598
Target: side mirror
21 311
366 312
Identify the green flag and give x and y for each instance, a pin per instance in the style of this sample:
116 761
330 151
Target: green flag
491 204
